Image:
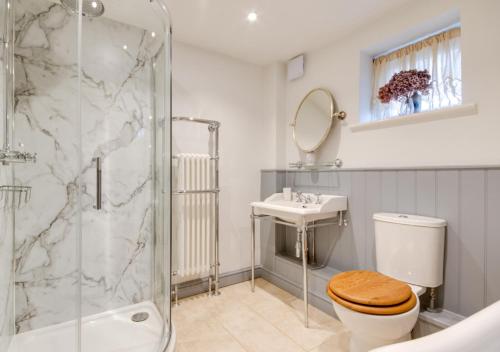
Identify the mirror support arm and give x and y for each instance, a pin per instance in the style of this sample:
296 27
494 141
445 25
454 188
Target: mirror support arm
341 115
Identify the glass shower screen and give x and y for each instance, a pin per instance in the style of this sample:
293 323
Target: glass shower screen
85 176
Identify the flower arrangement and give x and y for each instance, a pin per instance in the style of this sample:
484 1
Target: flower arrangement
403 85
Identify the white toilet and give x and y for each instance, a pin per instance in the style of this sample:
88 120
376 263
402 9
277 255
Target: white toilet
381 308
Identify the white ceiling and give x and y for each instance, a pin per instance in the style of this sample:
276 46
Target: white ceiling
284 28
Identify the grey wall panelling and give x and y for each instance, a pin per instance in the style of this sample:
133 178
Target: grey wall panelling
469 199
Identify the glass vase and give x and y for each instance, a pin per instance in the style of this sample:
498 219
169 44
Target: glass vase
407 106
417 102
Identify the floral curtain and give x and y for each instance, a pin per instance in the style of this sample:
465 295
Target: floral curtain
440 54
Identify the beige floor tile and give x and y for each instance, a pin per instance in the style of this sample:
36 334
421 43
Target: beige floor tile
315 314
260 336
270 319
194 331
289 319
292 325
215 344
275 311
337 343
254 333
275 291
262 301
194 310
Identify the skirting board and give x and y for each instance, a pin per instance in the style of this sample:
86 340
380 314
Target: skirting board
197 287
287 285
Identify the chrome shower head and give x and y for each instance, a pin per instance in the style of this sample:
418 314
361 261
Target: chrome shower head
90 8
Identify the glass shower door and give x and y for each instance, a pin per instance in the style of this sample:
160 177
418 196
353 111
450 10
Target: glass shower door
85 259
44 119
6 200
125 112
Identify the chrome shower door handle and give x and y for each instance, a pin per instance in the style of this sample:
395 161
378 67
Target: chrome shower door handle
98 195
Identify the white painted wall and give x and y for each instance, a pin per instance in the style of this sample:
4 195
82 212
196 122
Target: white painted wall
256 105
217 87
341 67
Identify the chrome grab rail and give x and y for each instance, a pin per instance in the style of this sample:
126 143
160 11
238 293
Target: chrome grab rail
98 195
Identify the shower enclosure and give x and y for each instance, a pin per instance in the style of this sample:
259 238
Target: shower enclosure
85 190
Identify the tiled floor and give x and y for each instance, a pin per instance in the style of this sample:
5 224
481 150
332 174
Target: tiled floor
268 320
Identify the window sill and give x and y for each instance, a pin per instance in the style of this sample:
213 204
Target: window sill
440 114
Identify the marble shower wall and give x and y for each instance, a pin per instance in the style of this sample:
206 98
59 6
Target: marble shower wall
116 241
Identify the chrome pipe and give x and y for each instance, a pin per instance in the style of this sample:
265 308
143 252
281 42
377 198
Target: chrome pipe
282 222
211 158
324 224
304 267
433 295
313 246
291 224
217 205
201 191
198 120
298 245
252 245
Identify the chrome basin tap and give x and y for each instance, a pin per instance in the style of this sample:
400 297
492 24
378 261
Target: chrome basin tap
300 197
303 198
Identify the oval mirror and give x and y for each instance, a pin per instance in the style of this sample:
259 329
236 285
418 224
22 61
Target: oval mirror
314 120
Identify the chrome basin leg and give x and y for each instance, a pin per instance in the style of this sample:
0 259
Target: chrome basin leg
304 267
252 218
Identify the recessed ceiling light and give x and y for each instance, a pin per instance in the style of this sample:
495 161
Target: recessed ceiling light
252 16
153 34
125 47
94 4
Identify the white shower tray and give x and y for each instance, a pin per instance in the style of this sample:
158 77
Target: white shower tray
111 331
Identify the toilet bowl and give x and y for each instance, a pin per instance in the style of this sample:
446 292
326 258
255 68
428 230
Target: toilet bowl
381 308
370 331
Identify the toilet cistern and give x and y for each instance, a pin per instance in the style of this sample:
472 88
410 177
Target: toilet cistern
401 243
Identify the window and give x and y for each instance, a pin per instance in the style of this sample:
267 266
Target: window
440 55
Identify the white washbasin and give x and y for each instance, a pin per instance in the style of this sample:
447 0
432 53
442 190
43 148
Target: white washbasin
299 212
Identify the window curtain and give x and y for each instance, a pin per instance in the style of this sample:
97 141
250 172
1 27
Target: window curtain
440 54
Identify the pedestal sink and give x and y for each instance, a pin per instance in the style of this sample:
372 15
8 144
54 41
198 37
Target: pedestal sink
318 208
302 211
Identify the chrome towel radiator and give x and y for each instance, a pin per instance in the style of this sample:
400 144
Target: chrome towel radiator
200 191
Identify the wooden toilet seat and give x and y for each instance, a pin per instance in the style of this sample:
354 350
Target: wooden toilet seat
371 293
